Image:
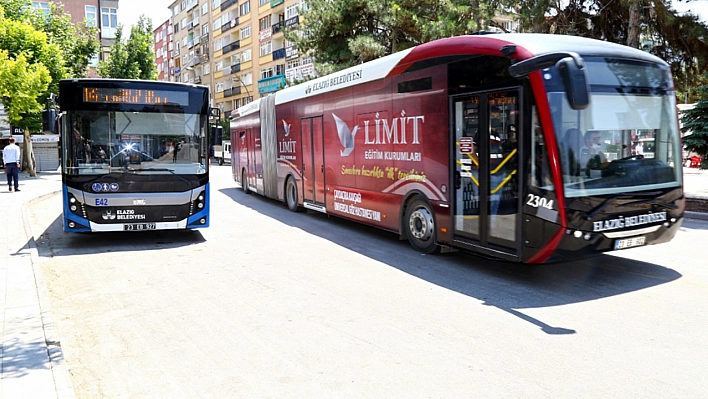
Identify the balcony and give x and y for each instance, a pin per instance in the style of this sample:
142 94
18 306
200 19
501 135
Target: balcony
204 39
272 84
275 3
228 3
190 26
277 28
232 91
231 47
278 54
229 25
197 79
235 68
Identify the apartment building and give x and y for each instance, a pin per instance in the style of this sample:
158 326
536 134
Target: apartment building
235 47
163 49
102 14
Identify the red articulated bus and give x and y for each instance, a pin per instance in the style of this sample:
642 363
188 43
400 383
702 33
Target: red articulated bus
513 146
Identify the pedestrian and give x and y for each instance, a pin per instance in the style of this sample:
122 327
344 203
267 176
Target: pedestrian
11 157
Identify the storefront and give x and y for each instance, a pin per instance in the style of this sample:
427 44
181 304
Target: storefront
45 146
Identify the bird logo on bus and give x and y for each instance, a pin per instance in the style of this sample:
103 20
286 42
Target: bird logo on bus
346 136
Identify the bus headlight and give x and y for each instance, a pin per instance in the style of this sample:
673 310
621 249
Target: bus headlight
76 206
199 203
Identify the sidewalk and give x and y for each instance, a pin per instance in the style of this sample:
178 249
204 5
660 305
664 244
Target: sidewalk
32 360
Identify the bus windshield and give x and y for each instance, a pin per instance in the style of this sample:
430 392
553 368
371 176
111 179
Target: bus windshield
627 140
100 142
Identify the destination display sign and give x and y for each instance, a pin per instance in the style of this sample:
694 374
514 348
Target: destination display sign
107 95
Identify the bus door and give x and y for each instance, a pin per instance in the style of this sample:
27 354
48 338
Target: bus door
254 166
486 175
312 160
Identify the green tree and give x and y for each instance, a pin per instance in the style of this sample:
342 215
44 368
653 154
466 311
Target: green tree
343 33
78 42
27 57
695 122
133 59
22 83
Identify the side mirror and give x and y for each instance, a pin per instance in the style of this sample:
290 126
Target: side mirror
216 135
572 72
575 82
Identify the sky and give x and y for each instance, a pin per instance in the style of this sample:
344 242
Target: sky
130 10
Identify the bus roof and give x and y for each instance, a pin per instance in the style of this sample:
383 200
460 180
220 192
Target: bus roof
528 45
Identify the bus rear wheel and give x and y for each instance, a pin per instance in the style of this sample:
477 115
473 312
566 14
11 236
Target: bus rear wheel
291 196
419 226
244 185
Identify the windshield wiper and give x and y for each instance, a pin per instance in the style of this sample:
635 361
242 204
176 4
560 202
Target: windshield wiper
591 213
161 170
652 202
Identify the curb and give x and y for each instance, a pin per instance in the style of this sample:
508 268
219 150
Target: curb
62 381
696 215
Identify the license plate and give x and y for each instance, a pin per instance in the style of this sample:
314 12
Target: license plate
630 242
139 226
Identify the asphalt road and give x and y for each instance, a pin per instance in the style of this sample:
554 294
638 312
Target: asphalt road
266 303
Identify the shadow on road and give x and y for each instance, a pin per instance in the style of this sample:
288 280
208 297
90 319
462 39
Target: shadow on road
68 244
506 286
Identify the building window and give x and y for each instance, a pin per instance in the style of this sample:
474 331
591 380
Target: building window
42 6
217 44
183 23
91 16
219 66
246 55
266 73
175 11
263 2
207 69
264 23
246 32
266 48
217 25
205 29
215 4
291 11
280 69
184 5
245 8
109 17
247 79
205 8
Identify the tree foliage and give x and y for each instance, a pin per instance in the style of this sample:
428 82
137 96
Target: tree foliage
695 122
348 32
134 58
78 42
18 38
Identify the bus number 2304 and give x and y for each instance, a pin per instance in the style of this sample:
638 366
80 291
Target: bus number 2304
536 201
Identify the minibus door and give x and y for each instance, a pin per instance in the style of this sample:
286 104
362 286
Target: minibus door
485 174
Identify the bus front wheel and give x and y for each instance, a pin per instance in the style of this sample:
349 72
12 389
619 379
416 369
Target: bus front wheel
419 225
291 196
